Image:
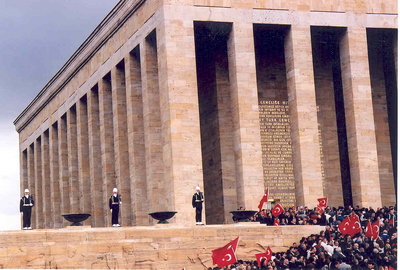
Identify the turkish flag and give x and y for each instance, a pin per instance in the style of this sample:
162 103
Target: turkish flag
264 199
355 225
267 255
259 257
322 201
368 231
375 229
225 255
354 218
276 222
277 210
344 226
319 209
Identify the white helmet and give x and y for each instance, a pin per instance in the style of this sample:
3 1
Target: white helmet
198 188
115 190
26 190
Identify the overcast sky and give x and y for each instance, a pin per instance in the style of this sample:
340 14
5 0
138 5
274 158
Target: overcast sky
36 38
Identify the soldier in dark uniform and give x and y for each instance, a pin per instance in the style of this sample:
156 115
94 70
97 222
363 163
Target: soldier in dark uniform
25 207
114 202
197 202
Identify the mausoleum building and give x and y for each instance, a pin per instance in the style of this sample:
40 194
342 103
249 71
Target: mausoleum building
234 96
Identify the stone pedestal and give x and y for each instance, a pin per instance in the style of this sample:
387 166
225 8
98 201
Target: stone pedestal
163 246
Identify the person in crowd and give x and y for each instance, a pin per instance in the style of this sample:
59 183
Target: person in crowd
330 249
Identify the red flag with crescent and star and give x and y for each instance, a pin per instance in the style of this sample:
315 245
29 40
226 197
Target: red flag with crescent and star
344 226
319 209
267 255
354 218
276 222
355 226
375 229
277 210
322 201
225 255
264 200
368 230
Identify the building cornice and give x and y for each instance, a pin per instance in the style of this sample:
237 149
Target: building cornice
122 11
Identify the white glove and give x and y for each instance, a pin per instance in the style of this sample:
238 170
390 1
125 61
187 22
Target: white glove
21 213
111 210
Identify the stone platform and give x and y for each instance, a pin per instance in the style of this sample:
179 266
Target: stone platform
150 247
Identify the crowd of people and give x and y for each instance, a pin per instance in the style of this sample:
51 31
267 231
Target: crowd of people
330 249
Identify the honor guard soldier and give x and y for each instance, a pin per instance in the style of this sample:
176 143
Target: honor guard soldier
25 207
197 202
114 202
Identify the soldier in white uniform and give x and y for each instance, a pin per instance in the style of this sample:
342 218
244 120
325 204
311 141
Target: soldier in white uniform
25 207
114 202
197 202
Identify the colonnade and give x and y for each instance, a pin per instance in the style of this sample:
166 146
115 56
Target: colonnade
137 128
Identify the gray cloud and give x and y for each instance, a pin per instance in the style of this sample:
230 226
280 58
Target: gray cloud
36 38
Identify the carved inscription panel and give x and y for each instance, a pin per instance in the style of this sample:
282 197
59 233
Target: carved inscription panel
277 150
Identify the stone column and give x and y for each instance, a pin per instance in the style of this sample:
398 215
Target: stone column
328 131
137 166
180 123
225 123
360 126
121 141
38 185
388 178
156 184
303 116
31 180
395 52
107 144
96 183
46 191
24 171
83 156
24 174
74 188
246 122
55 194
383 89
63 166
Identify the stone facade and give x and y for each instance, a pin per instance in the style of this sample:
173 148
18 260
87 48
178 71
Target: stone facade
167 95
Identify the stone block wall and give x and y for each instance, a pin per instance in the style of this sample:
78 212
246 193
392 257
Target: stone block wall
155 247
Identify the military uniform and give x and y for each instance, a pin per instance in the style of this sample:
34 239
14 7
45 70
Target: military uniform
25 207
197 202
114 203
